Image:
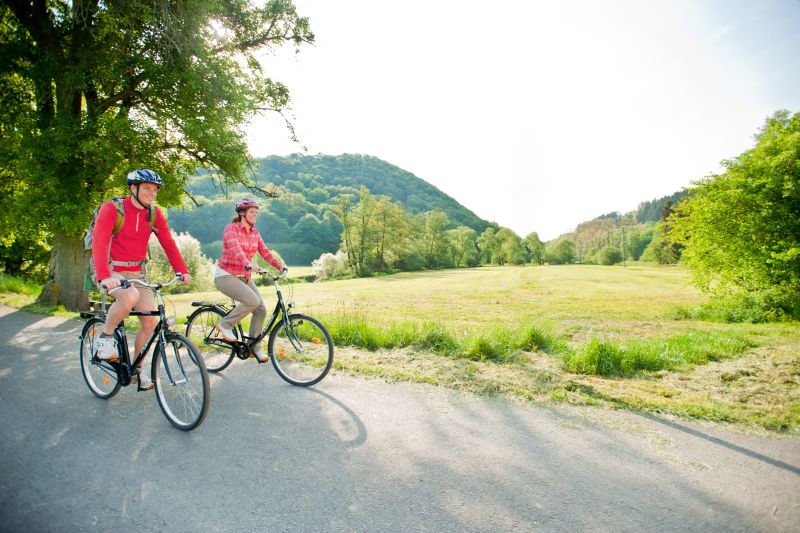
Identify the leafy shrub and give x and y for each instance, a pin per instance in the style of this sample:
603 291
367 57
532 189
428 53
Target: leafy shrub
200 267
560 253
610 255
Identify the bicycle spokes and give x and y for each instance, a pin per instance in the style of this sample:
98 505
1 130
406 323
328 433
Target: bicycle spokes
302 350
181 382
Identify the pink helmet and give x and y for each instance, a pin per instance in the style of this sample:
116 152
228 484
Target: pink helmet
246 203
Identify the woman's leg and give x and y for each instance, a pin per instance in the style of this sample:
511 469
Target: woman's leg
237 289
259 315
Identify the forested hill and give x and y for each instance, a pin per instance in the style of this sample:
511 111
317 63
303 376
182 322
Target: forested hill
321 177
300 224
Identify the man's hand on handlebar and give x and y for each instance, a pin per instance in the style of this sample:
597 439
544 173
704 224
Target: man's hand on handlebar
185 278
110 283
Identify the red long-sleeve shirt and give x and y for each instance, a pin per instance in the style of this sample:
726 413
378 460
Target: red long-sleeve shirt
239 246
130 244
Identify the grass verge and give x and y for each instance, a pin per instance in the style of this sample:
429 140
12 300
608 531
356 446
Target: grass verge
578 335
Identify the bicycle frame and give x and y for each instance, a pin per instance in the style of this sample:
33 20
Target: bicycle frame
123 366
243 346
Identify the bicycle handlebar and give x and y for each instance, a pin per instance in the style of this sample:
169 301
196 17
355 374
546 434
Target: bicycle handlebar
125 283
265 272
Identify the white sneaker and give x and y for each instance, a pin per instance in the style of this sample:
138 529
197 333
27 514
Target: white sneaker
260 355
106 348
145 383
226 334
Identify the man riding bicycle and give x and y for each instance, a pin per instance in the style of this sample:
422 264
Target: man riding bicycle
122 255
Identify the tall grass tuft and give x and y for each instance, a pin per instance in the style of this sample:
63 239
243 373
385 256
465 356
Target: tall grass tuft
433 336
533 338
18 285
608 358
755 308
498 343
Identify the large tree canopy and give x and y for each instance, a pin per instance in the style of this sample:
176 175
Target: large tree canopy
741 228
90 90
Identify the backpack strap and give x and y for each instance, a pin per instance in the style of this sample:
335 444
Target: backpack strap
117 201
151 213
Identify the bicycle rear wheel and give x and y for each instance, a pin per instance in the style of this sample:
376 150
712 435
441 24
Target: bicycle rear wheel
100 376
181 382
301 350
200 329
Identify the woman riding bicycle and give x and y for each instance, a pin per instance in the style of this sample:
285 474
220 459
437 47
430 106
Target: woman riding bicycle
240 242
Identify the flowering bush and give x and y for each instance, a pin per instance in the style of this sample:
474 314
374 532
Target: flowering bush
330 266
200 267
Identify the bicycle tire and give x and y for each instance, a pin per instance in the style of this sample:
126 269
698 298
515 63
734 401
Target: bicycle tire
199 327
181 382
306 359
100 376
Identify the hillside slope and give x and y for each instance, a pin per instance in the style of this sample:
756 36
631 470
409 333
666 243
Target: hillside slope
300 224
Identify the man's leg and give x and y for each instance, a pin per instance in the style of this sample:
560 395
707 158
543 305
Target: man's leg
146 303
124 302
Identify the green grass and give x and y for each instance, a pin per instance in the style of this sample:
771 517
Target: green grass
607 358
16 285
578 334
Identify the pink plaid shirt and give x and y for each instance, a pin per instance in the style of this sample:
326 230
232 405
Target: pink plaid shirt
239 246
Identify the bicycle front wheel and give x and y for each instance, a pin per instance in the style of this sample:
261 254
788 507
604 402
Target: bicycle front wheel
100 376
181 382
200 330
301 350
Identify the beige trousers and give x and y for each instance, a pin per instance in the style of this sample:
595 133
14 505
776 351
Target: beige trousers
249 302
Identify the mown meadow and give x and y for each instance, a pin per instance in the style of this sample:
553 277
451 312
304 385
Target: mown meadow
579 334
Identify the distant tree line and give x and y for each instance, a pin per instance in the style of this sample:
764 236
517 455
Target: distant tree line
613 238
379 235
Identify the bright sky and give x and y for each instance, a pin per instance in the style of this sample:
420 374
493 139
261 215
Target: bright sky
539 115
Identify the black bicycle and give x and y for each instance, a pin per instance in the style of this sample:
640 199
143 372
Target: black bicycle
299 346
178 371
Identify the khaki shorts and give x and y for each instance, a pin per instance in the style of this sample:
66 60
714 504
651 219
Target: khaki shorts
147 299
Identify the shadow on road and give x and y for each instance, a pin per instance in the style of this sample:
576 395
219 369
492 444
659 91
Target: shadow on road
361 435
731 446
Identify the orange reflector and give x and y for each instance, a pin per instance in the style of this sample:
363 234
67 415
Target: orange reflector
106 380
93 333
282 354
316 340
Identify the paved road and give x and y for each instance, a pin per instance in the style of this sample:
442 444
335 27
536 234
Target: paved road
359 455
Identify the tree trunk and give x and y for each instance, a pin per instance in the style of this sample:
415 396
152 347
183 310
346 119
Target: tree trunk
65 281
